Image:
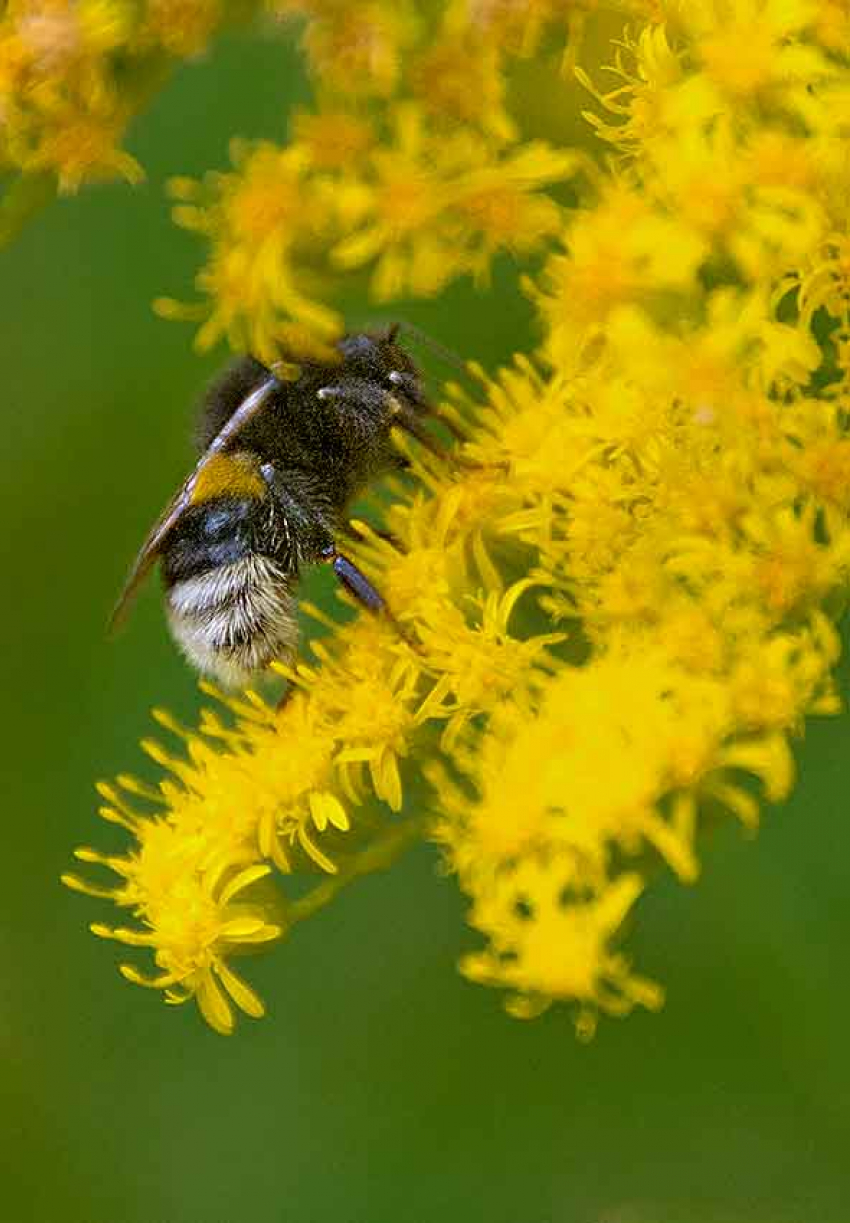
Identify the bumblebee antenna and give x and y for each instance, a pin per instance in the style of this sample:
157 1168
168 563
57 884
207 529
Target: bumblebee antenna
433 346
400 327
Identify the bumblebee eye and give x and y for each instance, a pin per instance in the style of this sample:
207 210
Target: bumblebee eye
408 385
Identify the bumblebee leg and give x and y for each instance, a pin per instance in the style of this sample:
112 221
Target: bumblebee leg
407 420
410 424
406 383
457 432
355 582
288 693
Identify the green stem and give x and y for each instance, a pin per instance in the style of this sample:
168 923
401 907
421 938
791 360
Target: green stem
380 855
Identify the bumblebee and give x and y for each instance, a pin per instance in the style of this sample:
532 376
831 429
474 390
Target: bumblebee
280 463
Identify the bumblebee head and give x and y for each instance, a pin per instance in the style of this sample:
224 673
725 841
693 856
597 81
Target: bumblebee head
376 357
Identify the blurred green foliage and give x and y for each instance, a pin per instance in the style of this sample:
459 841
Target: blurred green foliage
382 1088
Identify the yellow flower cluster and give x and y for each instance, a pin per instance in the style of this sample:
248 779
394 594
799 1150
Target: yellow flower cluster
615 606
73 73
410 167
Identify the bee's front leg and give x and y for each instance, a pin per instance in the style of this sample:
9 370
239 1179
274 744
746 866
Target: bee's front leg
354 581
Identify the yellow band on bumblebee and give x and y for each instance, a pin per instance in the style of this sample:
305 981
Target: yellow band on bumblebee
229 475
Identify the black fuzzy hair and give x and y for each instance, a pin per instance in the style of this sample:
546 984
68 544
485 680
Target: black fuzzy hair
224 395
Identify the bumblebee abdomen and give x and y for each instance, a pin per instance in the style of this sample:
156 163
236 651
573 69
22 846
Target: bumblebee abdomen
210 536
233 620
228 588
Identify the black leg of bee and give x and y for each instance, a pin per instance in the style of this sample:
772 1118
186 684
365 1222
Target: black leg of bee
355 582
410 424
409 386
287 696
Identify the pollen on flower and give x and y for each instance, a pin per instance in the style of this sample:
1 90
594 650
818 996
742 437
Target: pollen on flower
264 199
824 467
262 221
480 665
362 46
645 104
368 694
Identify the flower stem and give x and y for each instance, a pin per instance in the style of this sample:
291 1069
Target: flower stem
380 855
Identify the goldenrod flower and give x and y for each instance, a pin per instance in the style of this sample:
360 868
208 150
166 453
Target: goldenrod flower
613 608
546 947
437 203
262 221
74 72
354 50
188 893
515 27
181 27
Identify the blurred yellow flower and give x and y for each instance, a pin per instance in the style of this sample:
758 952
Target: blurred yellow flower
74 72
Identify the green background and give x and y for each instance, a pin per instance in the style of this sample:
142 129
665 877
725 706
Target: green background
382 1088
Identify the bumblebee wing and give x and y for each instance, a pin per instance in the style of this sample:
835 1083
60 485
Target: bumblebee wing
149 553
168 519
